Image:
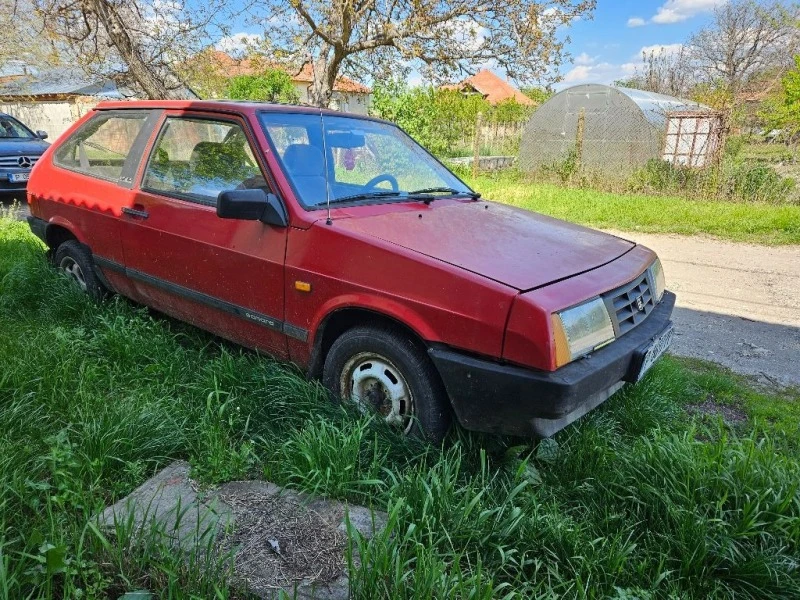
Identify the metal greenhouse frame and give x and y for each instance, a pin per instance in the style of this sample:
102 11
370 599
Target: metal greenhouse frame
617 130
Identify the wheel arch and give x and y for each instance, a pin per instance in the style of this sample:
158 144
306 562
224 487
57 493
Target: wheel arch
58 231
339 320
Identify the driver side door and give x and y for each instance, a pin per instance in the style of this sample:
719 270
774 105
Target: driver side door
226 276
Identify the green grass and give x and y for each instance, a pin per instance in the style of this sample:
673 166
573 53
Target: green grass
775 152
637 500
755 223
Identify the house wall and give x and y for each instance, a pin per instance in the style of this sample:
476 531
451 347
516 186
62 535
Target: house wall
346 102
54 117
352 103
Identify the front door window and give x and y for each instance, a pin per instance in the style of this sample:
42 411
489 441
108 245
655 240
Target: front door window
196 159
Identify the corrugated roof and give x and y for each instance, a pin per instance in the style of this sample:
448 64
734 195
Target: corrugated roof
61 81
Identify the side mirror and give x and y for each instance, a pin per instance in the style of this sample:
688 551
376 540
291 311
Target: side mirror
251 205
42 135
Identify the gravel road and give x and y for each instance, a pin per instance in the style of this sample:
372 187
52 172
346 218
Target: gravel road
738 304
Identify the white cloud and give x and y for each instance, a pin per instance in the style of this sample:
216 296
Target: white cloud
659 50
238 42
676 11
603 72
636 22
580 73
468 33
556 15
588 69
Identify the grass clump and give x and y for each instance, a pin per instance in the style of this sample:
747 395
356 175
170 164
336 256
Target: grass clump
639 499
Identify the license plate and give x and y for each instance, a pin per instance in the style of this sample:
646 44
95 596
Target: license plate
17 177
660 345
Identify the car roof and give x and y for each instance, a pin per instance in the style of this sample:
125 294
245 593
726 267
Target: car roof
239 106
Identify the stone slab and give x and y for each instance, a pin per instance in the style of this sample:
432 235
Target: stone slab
280 541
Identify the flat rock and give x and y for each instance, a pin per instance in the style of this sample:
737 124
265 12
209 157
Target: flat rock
279 540
168 507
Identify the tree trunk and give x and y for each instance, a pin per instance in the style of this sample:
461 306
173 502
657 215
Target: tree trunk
326 68
146 76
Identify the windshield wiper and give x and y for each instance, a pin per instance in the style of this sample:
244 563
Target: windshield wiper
365 196
420 194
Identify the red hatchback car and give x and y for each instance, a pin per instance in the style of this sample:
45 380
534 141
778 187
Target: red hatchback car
338 243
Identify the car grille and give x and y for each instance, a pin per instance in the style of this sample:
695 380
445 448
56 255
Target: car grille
624 304
25 162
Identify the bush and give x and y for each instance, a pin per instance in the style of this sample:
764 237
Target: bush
441 120
660 175
733 180
758 183
273 85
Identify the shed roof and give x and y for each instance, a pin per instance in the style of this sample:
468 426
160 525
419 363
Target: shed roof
62 81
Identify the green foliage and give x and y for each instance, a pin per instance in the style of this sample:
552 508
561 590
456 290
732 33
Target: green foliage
567 168
413 109
441 120
637 499
538 95
783 111
509 111
273 85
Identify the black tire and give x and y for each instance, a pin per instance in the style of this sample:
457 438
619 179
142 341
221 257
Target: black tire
75 260
385 350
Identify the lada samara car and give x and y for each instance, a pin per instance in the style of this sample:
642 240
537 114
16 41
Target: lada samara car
338 243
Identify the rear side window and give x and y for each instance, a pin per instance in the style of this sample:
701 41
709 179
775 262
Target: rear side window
196 159
101 147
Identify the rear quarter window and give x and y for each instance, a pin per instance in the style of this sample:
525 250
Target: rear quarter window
101 147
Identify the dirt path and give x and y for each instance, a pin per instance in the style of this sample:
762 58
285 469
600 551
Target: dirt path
738 304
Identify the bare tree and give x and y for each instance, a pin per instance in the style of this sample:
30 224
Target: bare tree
663 72
745 39
445 37
138 41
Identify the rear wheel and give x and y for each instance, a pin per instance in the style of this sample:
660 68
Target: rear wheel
75 261
385 372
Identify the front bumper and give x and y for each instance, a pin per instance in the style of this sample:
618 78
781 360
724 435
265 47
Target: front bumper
6 185
506 399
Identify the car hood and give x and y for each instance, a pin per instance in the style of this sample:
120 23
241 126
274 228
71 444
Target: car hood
516 247
19 147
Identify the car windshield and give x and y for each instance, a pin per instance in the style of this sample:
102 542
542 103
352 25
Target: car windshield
347 159
11 128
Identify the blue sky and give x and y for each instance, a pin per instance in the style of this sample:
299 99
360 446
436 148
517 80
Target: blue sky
610 46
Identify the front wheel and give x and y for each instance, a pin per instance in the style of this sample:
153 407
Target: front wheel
383 371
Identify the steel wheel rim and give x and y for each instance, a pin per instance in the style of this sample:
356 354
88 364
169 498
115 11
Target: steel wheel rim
74 271
375 384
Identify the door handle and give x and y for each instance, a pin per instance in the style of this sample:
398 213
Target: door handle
137 211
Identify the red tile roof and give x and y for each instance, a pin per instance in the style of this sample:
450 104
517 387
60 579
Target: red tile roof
491 87
252 66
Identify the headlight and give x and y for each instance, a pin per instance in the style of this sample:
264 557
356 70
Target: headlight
657 273
581 329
